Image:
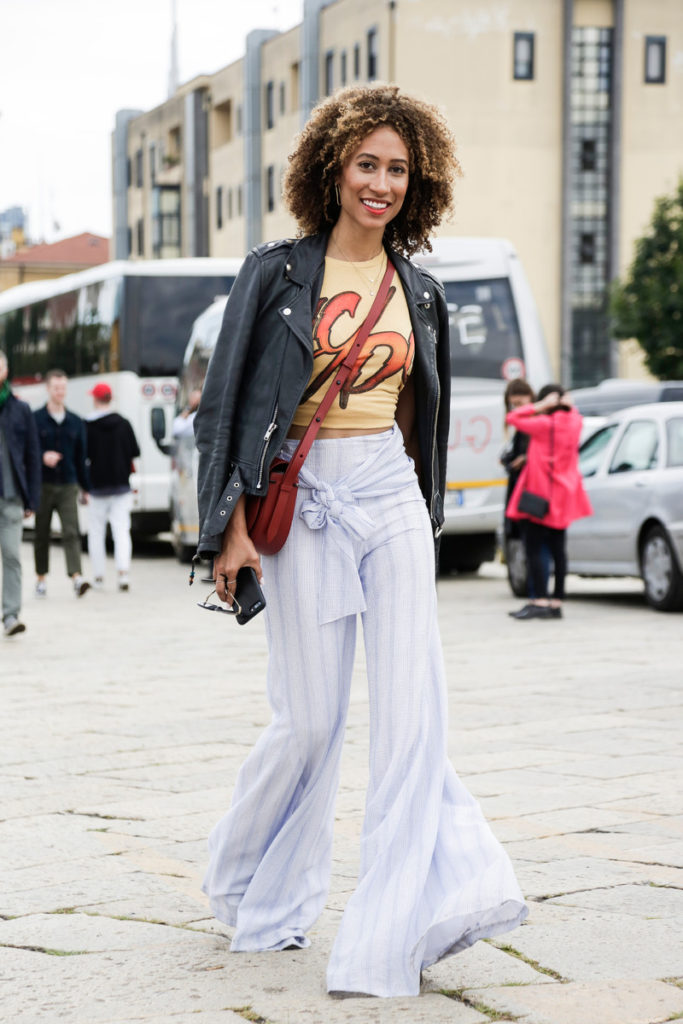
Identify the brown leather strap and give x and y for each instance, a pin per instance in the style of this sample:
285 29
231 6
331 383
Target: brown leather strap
340 379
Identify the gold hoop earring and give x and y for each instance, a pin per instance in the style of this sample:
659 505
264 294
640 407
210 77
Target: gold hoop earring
337 193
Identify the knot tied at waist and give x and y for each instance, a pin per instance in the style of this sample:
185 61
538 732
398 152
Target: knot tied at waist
333 507
334 504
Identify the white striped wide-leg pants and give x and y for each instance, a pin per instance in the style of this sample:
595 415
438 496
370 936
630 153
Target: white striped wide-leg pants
433 879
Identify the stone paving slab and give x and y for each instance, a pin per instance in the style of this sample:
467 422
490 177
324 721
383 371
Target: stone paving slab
644 901
120 750
596 945
621 1001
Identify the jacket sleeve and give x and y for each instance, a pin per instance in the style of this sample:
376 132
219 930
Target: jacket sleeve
526 420
443 362
80 456
33 462
37 417
134 448
215 418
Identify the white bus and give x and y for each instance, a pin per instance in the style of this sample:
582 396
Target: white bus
125 323
495 336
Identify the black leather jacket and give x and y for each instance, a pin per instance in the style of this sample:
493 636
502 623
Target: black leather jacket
263 362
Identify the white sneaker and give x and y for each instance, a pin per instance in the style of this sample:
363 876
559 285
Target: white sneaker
98 583
41 588
80 586
123 581
13 626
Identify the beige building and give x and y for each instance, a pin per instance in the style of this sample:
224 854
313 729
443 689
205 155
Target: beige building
568 115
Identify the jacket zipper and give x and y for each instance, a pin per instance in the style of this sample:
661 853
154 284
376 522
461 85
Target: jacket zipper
266 438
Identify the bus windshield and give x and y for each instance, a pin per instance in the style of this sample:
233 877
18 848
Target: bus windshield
485 335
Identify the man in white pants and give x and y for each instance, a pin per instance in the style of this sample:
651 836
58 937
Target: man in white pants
112 446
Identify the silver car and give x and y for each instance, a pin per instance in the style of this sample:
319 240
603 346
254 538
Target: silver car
633 472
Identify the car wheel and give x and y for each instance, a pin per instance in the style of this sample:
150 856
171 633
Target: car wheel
515 560
661 575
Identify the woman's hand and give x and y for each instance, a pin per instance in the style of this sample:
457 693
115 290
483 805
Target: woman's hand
518 462
237 551
551 401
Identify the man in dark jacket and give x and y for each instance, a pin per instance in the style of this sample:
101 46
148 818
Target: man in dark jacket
19 493
112 446
62 441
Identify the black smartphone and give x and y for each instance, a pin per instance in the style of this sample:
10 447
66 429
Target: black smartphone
248 595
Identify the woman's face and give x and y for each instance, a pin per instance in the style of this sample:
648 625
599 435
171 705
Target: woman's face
516 401
374 181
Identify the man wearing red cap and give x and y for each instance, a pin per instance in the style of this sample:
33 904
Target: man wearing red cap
112 446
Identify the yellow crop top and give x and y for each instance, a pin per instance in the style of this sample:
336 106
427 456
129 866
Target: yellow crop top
369 396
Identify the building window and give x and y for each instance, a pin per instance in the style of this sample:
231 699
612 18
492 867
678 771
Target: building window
270 189
129 173
166 222
589 156
523 56
229 204
129 241
356 61
283 103
240 201
589 181
270 104
329 72
152 163
655 59
586 247
239 119
140 228
342 68
219 207
139 169
372 54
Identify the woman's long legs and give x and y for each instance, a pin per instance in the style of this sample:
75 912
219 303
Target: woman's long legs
270 855
433 878
535 539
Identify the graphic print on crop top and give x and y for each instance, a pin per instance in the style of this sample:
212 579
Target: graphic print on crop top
369 396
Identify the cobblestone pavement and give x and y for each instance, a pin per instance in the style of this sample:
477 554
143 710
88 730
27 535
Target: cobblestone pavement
125 718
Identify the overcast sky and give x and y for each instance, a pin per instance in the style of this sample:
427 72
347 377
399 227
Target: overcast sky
67 66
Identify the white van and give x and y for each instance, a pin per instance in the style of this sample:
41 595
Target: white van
496 336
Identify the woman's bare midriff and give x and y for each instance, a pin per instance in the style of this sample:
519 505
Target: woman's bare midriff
296 433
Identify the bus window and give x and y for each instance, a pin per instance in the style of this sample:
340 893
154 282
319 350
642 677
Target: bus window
483 327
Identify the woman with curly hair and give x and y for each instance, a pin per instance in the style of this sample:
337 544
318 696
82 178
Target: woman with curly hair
370 178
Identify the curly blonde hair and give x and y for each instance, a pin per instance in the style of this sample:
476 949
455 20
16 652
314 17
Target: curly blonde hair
336 128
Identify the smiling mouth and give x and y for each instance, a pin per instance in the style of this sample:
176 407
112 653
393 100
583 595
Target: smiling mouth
376 205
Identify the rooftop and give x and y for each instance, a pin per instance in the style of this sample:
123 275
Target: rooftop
82 250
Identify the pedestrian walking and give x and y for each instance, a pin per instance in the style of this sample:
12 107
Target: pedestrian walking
19 493
549 493
371 176
518 393
112 446
61 434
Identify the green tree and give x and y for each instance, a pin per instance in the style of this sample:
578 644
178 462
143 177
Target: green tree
648 304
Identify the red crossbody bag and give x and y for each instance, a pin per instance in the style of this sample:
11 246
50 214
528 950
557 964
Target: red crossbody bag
269 518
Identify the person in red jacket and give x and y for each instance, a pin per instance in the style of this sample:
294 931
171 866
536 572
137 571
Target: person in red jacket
551 472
